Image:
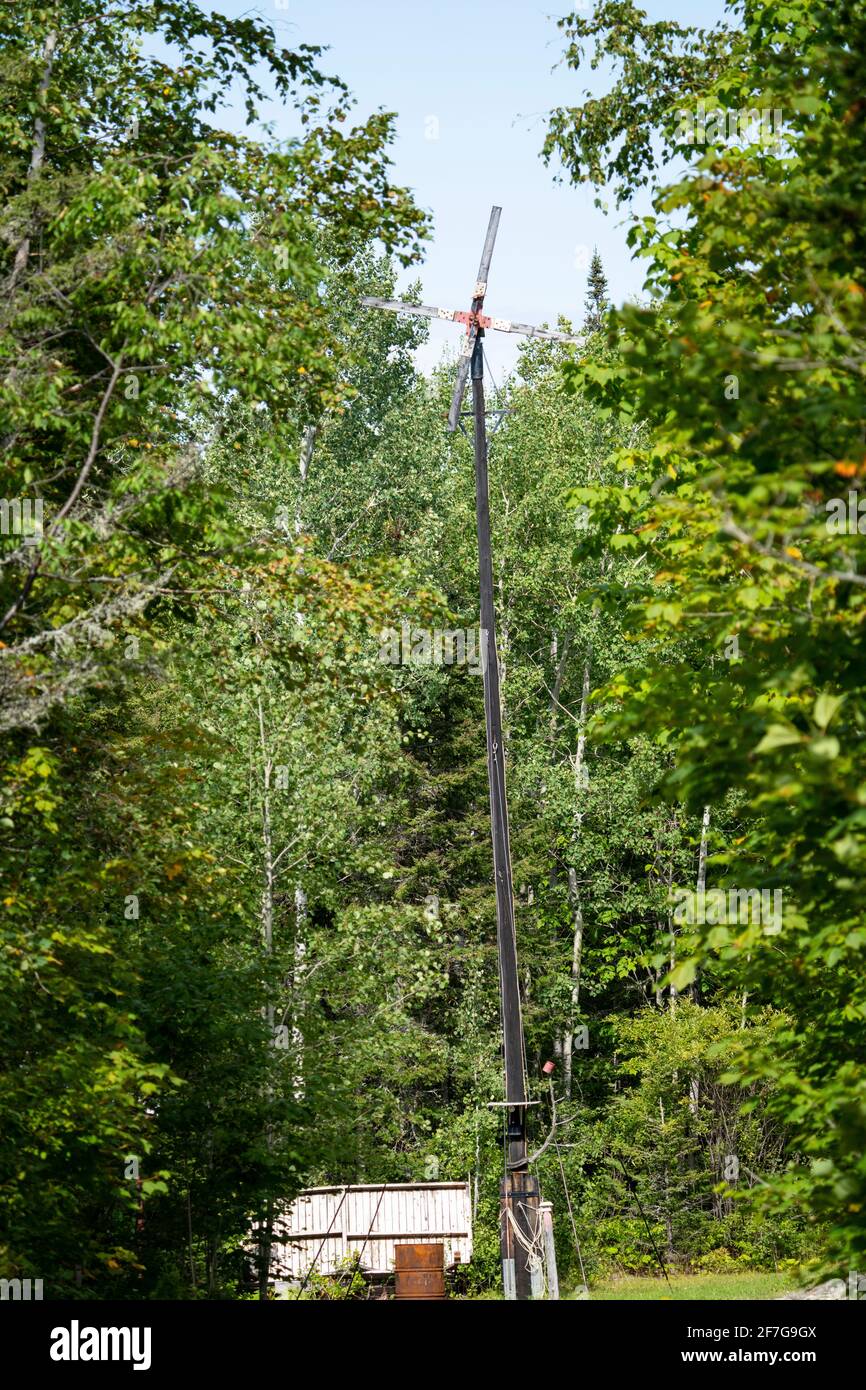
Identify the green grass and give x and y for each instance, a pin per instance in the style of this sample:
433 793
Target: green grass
709 1287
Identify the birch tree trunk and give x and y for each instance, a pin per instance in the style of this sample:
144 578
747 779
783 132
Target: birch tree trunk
37 152
558 660
267 909
299 951
308 443
673 992
573 886
298 963
701 886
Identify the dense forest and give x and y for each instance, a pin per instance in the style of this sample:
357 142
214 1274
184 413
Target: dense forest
248 938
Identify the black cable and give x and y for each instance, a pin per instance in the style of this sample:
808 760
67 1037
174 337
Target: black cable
322 1246
632 1187
366 1238
373 1222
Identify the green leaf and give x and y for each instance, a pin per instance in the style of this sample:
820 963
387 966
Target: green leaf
826 707
779 736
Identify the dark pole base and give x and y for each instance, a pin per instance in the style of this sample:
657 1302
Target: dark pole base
518 1199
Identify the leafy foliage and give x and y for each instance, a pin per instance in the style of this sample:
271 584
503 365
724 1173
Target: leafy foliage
249 939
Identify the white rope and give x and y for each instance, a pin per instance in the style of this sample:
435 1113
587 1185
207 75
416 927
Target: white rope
535 1247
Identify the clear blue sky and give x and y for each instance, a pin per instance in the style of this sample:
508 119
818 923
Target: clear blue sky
479 77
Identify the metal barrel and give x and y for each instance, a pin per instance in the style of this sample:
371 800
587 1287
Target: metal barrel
419 1271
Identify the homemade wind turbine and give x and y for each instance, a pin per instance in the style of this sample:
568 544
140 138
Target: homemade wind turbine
521 1235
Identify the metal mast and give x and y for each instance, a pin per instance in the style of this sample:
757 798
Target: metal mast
519 1191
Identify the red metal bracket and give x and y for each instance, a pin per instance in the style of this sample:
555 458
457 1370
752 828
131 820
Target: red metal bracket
467 317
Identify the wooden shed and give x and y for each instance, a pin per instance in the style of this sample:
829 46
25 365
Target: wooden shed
325 1224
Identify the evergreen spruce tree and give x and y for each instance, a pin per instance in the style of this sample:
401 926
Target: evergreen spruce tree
596 295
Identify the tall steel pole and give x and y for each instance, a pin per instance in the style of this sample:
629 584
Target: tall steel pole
512 1026
518 1190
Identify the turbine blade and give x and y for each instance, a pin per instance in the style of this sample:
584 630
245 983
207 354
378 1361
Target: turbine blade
477 300
529 330
398 306
460 385
486 255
